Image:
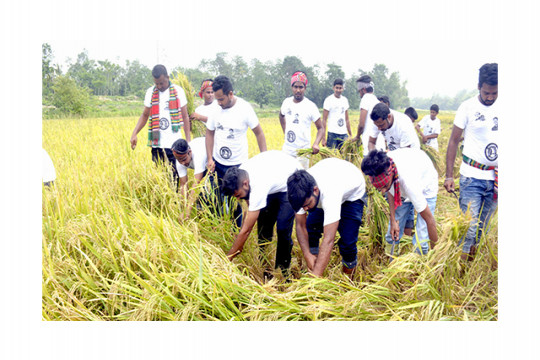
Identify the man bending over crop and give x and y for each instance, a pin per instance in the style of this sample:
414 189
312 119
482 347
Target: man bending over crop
331 192
262 182
405 173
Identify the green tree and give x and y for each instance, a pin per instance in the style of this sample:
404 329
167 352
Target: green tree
68 97
389 85
48 71
135 79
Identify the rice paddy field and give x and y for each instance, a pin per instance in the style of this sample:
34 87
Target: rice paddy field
113 247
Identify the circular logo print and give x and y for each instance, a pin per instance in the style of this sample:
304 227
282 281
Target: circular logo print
225 152
340 122
163 124
491 152
291 136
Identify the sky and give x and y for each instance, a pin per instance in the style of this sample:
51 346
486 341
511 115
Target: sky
437 47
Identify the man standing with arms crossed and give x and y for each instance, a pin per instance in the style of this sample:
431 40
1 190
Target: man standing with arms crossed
226 133
477 120
166 105
336 111
296 115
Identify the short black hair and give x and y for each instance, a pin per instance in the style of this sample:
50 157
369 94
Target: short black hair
299 188
232 180
434 107
410 112
489 74
180 146
159 70
366 79
380 111
222 83
384 99
338 82
375 163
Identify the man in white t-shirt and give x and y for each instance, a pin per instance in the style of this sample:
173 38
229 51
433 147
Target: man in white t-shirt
368 101
336 111
331 191
262 182
210 104
190 156
166 105
413 176
477 119
397 129
226 132
429 127
296 115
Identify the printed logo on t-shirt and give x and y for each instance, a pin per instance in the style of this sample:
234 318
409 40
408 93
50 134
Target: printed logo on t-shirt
479 117
219 126
342 110
289 111
231 134
340 122
496 126
291 136
163 123
491 152
296 121
225 152
392 144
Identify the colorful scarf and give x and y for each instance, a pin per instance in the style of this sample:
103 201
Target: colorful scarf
475 164
387 177
299 76
204 85
174 111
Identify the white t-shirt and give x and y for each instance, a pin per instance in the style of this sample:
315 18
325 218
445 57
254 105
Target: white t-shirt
336 108
268 174
230 137
48 173
338 181
480 124
430 127
400 135
368 102
166 135
418 179
207 110
198 158
298 119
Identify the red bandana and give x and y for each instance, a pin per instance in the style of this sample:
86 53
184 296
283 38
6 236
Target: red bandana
204 85
387 177
299 76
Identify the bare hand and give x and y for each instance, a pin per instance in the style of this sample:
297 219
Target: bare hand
194 116
310 260
315 149
323 142
449 185
394 230
211 165
133 141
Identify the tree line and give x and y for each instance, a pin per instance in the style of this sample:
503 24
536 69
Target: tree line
264 83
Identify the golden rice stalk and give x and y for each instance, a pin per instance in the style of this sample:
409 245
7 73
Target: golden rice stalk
197 128
436 158
352 151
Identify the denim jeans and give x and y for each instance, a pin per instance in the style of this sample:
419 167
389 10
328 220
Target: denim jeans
335 140
421 235
349 224
278 211
478 195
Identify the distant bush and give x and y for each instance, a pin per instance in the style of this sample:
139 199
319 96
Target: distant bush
68 97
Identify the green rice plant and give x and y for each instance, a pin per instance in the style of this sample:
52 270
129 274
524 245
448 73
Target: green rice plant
197 128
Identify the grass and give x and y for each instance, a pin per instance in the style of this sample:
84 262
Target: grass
113 248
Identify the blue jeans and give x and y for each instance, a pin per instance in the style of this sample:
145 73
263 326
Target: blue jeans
420 238
349 224
477 195
335 140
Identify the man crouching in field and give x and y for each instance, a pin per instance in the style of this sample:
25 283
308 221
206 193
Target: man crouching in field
190 156
331 191
413 176
262 182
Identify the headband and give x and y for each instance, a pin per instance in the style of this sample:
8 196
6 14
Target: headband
386 177
204 85
299 76
363 85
